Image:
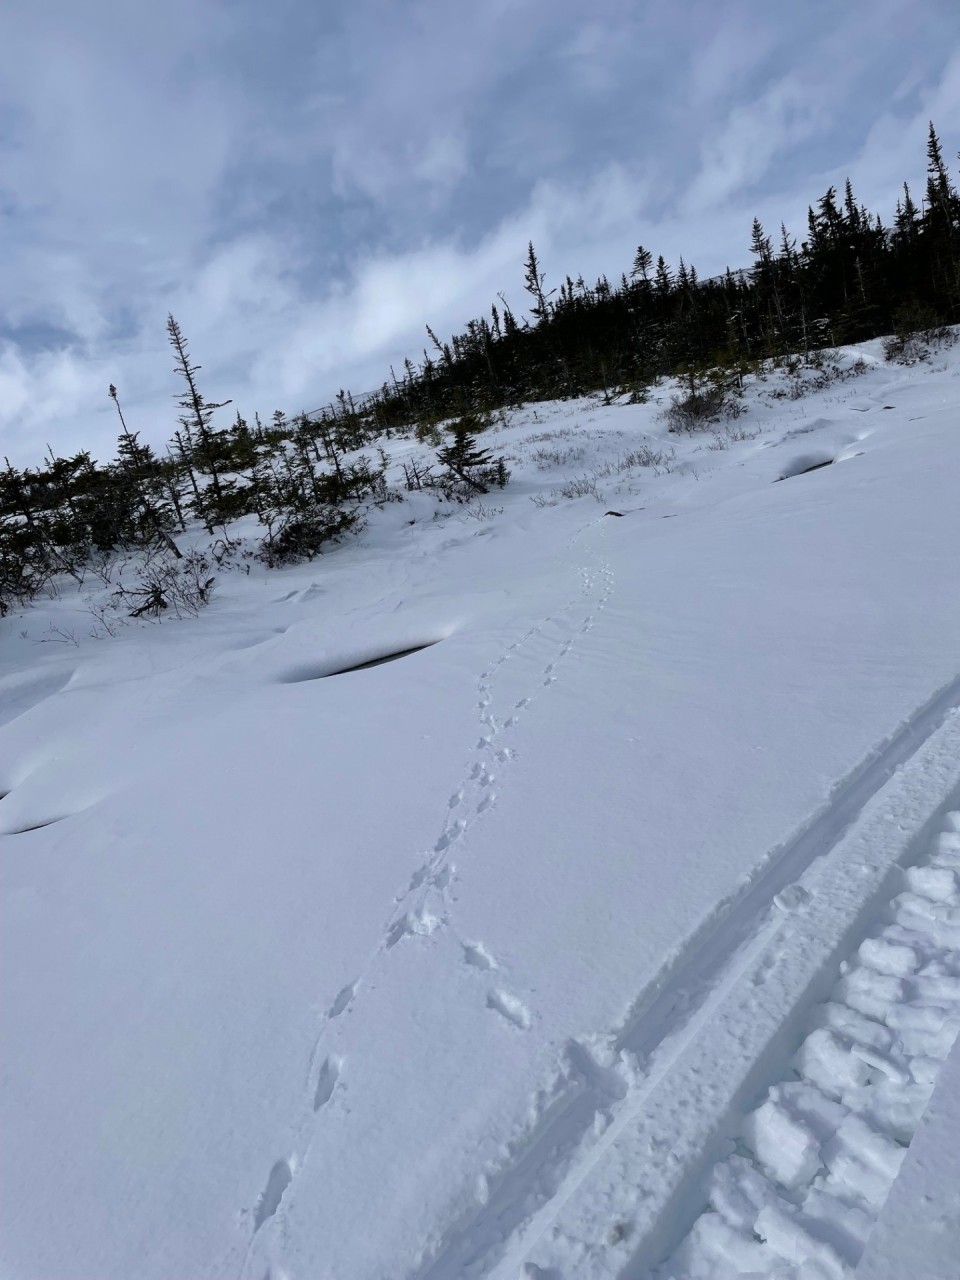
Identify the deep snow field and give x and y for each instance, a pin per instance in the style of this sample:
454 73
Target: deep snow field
613 933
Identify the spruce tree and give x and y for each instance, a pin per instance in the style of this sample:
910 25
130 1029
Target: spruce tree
642 262
137 464
533 283
195 418
942 226
464 460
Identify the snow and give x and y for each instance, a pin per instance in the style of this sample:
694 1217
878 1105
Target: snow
917 1234
834 1141
614 930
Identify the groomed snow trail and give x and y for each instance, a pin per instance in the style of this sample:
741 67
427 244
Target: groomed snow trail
612 1171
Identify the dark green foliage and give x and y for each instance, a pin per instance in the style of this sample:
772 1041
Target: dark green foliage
916 333
295 537
144 510
467 467
209 450
844 283
298 509
533 283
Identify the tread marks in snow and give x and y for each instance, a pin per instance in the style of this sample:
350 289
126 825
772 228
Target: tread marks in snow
821 1152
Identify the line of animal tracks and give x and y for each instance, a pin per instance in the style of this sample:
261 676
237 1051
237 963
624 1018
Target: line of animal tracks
425 906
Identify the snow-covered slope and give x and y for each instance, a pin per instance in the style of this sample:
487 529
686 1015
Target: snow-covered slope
483 961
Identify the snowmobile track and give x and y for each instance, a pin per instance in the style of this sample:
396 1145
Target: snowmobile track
666 1016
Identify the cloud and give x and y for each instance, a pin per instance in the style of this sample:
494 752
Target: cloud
305 188
736 156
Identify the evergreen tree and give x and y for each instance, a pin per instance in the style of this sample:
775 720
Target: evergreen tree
137 465
942 227
464 460
196 416
642 262
663 282
533 283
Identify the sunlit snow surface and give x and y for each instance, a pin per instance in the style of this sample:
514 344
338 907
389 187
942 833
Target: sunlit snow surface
572 943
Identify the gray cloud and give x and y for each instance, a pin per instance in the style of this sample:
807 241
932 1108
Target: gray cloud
305 187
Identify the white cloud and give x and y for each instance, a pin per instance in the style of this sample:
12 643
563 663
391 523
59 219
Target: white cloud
306 189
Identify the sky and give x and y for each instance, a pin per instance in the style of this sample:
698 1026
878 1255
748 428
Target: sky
305 186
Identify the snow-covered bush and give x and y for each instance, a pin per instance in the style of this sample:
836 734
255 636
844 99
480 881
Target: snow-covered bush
700 408
916 334
163 583
297 536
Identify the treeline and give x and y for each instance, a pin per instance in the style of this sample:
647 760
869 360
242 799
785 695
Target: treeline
850 279
308 478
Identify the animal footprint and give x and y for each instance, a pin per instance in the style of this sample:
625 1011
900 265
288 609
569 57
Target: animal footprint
452 834
421 922
477 956
326 1082
281 1175
397 930
343 999
443 877
486 802
416 880
510 1008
